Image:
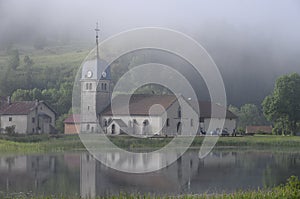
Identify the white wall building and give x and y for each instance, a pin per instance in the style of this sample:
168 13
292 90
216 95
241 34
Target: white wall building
27 117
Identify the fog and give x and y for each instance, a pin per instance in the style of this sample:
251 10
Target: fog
252 41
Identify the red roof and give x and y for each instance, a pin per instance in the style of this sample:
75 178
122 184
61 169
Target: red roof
72 119
18 108
139 104
257 129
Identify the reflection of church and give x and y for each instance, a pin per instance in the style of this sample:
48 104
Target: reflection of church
148 114
188 174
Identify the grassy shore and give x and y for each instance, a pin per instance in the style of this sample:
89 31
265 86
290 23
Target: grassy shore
290 190
45 143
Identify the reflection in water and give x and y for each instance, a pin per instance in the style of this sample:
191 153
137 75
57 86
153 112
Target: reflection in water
80 174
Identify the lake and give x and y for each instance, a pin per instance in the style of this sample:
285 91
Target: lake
78 174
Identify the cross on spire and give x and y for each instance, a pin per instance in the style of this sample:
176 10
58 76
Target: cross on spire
97 36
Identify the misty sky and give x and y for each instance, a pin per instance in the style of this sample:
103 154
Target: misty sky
251 41
275 18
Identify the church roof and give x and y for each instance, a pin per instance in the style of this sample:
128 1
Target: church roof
205 110
140 104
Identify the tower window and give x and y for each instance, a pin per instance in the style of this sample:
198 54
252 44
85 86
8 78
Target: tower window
87 86
104 86
88 108
87 127
90 86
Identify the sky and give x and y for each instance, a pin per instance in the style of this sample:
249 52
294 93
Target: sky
252 41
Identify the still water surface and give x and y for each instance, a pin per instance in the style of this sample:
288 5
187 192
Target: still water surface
223 170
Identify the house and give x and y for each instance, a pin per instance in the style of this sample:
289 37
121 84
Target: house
72 124
147 115
27 117
259 129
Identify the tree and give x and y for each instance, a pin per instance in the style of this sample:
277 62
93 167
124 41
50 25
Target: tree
248 114
283 106
28 70
14 59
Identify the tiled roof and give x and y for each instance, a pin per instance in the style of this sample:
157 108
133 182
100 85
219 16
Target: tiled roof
18 108
205 110
71 119
257 129
139 104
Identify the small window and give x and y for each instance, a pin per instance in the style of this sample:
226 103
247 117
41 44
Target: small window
201 119
10 119
104 86
87 127
87 86
90 86
179 112
88 108
129 123
168 122
33 120
192 122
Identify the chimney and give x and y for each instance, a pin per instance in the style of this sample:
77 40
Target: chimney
36 102
8 100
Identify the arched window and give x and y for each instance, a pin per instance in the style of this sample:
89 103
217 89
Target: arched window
168 122
105 122
179 126
90 86
87 86
113 129
104 86
179 112
145 122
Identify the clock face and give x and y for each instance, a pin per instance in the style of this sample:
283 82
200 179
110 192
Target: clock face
104 74
89 74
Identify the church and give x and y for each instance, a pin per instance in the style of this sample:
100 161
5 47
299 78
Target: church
148 114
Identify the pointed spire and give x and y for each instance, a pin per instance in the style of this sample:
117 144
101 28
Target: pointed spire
97 37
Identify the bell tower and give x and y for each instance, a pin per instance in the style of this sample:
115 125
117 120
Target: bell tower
95 90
